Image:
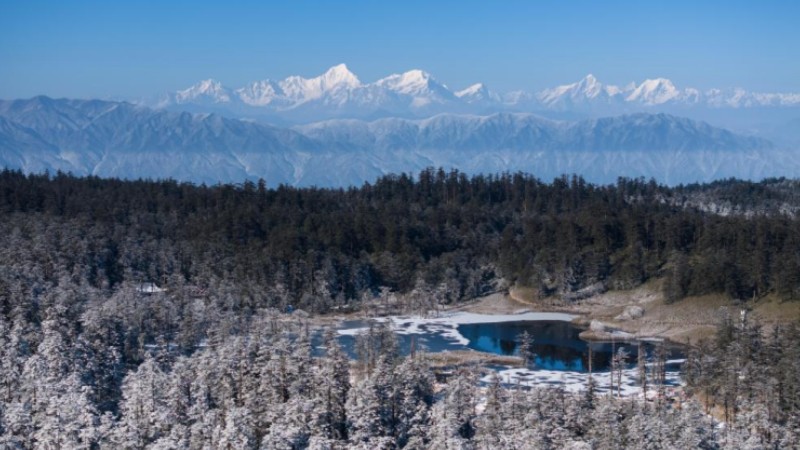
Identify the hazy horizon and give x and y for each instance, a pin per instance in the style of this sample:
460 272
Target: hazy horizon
92 49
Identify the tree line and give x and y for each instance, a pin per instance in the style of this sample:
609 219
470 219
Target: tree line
439 231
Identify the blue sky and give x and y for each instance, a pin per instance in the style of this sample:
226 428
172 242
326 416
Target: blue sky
114 49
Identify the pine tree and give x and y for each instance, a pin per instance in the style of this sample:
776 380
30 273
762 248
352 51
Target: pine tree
641 366
608 431
457 421
10 361
619 363
143 413
526 350
332 386
17 425
69 419
373 407
415 398
445 433
490 426
237 432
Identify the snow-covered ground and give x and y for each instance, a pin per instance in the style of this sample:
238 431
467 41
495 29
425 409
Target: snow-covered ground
573 381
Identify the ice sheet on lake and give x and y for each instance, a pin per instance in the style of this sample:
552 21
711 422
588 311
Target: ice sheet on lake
352 331
447 324
578 381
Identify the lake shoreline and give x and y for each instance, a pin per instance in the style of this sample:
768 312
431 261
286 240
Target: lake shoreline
510 302
640 313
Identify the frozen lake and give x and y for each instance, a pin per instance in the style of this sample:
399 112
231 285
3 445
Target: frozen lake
556 340
562 357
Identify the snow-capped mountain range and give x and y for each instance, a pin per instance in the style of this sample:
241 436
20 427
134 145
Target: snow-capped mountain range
336 93
339 93
336 130
129 141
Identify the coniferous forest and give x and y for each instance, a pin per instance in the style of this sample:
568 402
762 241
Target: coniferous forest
153 314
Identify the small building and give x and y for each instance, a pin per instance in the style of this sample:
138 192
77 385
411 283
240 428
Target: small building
149 288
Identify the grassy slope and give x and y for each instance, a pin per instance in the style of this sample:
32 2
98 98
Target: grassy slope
690 319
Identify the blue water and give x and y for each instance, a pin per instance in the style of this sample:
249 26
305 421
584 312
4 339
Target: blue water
556 343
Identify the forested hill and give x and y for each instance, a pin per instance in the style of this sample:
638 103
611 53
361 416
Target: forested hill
442 235
142 314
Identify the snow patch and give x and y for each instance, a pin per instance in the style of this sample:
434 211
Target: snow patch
352 331
572 381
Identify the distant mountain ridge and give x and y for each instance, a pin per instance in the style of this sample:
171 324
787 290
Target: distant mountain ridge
130 141
522 132
339 93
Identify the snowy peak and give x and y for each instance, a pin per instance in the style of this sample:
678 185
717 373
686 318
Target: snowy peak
301 89
260 93
396 80
419 85
591 93
477 93
589 86
207 91
654 92
583 91
338 93
339 75
411 82
740 98
475 89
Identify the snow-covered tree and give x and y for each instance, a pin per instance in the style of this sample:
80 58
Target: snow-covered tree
143 409
69 418
332 384
526 350
454 417
237 431
491 423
